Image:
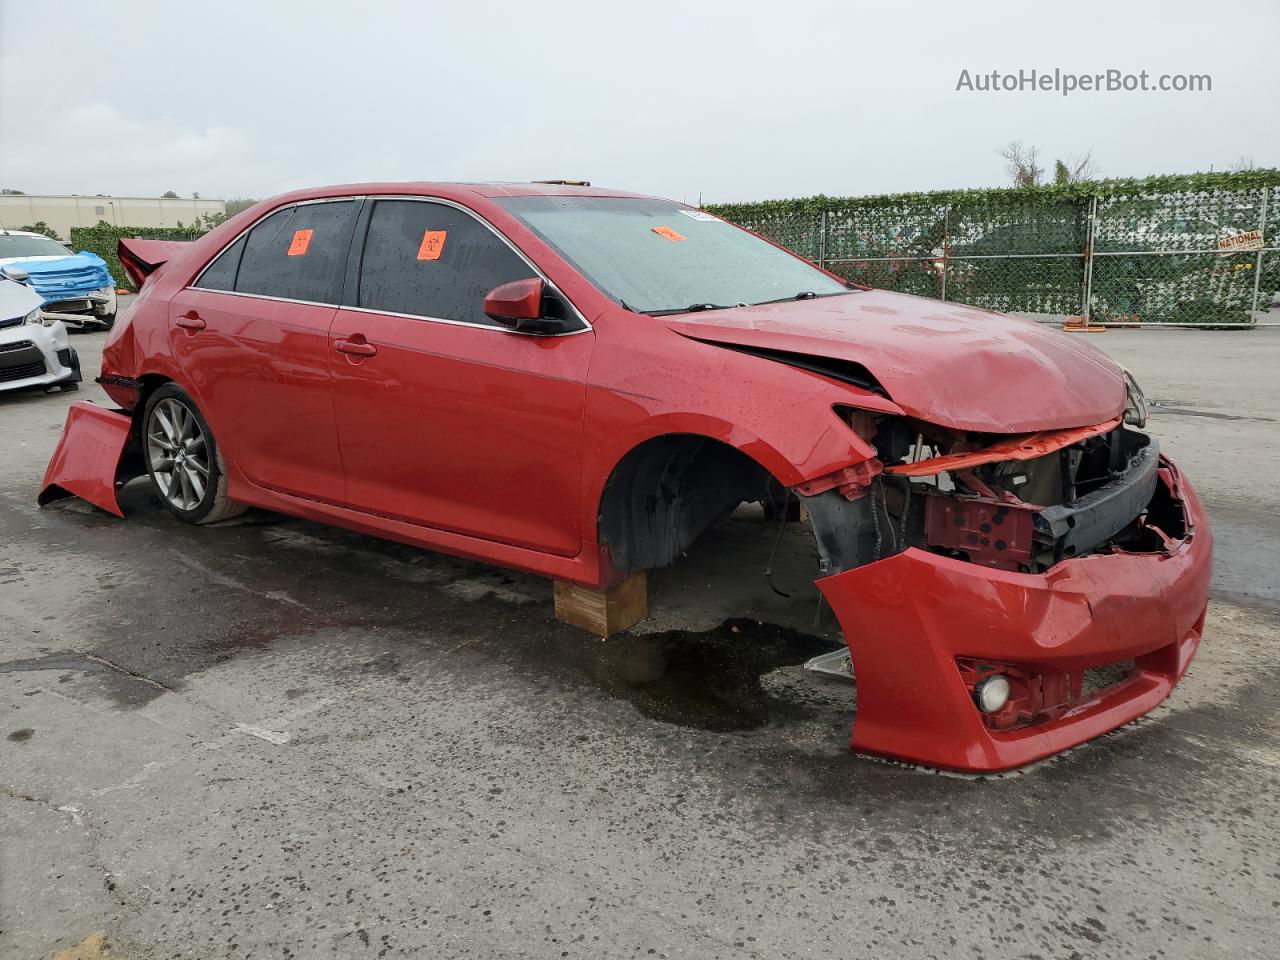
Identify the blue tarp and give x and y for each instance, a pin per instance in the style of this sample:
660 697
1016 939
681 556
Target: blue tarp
67 277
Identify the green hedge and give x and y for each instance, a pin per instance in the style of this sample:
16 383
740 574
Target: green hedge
1027 249
1050 192
103 237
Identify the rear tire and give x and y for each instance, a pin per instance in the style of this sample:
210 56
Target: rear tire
183 459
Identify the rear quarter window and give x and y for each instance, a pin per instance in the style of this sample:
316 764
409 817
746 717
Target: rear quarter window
298 253
221 274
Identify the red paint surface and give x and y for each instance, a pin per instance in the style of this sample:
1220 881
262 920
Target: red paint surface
85 461
944 363
260 372
467 430
908 618
517 300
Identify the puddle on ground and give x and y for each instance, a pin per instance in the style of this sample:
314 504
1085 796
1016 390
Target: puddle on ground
711 680
242 598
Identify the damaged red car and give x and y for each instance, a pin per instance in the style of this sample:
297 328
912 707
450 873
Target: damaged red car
579 382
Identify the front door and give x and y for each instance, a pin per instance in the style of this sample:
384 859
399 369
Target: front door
445 418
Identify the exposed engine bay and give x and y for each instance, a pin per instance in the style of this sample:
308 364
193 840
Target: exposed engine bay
1019 503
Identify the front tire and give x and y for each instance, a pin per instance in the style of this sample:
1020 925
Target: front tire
183 459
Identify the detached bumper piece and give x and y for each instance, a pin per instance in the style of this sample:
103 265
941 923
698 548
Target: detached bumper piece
925 631
94 307
89 459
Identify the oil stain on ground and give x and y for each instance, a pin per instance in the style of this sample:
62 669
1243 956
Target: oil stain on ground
710 680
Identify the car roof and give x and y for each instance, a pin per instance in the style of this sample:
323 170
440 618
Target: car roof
25 233
454 191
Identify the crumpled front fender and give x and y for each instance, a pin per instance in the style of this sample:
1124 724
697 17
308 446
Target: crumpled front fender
90 457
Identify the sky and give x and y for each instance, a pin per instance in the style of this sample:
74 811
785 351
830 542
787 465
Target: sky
723 100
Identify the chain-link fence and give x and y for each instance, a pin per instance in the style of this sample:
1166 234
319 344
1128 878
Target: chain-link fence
1196 250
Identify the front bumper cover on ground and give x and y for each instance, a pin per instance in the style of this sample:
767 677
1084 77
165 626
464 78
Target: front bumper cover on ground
911 618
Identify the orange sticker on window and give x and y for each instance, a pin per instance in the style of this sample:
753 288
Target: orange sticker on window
432 244
668 233
301 240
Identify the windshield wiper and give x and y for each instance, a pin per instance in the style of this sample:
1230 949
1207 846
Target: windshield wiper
803 295
692 308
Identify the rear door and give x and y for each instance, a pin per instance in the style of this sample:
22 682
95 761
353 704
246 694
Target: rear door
252 335
444 417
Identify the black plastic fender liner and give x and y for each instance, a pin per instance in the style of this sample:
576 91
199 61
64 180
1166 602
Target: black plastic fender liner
850 533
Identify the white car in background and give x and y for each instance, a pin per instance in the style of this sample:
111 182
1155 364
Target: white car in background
34 351
77 288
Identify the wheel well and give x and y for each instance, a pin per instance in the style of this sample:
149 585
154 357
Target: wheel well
133 462
151 382
668 490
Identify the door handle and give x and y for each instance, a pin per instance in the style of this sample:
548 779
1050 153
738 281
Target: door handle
190 321
356 347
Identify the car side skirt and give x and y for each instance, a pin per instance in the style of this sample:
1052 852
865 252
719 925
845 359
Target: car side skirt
585 568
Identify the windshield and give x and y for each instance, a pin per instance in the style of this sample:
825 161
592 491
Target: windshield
16 245
655 256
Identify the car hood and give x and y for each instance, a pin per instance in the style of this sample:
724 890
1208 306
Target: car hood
7 260
943 363
60 278
17 300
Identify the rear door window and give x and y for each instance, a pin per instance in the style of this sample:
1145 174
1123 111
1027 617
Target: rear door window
298 253
431 260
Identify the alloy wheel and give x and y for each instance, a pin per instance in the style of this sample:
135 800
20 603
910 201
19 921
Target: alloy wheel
178 453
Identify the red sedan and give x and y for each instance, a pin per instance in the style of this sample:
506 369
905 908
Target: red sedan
579 382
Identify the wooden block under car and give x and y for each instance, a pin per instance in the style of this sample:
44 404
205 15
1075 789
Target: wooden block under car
603 612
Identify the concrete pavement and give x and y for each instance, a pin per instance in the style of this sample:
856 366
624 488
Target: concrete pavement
271 738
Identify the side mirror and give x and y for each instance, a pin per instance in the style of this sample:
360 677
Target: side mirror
16 274
526 306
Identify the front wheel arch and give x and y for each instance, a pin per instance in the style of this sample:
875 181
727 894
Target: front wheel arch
667 491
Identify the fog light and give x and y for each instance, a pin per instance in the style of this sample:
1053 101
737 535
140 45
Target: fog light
992 693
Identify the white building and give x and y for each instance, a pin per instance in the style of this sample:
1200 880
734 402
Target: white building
64 212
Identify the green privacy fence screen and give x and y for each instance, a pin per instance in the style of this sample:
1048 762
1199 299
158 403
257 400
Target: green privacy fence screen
1198 249
102 238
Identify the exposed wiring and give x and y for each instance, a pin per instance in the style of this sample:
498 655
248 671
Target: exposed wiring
906 509
782 527
884 502
875 523
817 613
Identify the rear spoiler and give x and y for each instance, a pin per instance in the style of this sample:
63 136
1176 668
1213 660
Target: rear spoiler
141 258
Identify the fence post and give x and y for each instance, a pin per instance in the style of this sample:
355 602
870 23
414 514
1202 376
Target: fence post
946 248
822 238
1086 309
1257 262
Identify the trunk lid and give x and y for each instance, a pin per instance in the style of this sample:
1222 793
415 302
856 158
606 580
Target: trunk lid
141 258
